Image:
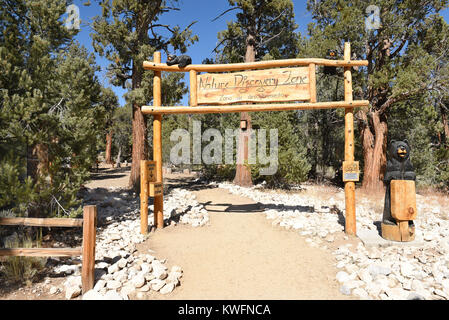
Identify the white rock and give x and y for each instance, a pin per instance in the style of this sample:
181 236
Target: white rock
99 285
397 293
54 290
377 269
122 263
72 292
417 285
365 275
342 276
114 236
113 295
351 284
351 268
174 275
167 288
114 268
441 294
146 267
73 281
144 288
176 269
359 292
374 289
92 295
445 284
374 253
127 290
113 284
138 281
157 284
407 269
345 290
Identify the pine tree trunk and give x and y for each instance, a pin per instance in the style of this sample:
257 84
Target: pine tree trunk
119 155
374 141
140 145
243 172
108 155
139 121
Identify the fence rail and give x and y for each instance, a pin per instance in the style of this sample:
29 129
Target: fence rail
42 222
87 251
41 252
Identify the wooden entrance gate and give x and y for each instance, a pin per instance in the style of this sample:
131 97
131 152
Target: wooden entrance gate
219 92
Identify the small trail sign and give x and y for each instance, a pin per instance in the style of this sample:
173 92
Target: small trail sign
151 167
156 189
350 171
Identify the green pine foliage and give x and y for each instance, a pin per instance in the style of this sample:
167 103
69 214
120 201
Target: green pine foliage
50 109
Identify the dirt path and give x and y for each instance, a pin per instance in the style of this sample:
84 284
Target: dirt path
241 256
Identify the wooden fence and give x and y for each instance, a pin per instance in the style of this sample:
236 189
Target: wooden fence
87 251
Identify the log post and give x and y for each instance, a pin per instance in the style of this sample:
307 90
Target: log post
89 237
193 88
350 220
312 81
143 197
157 144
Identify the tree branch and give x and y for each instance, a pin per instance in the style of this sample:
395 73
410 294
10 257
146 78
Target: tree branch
223 13
271 38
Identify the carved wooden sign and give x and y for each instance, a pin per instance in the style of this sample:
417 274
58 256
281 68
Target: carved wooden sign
272 85
350 171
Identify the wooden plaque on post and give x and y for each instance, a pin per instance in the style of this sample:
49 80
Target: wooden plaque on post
350 171
151 167
156 189
272 85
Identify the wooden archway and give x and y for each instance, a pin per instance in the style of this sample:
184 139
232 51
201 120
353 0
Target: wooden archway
203 99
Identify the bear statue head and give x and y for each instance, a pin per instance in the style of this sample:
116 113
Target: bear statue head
171 57
399 150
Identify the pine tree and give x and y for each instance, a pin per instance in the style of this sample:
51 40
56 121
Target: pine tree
400 66
50 117
127 33
264 29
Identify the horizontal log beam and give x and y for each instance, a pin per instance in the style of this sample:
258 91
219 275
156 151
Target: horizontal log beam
42 222
41 252
149 65
252 107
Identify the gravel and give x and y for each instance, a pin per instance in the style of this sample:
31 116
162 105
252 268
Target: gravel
388 273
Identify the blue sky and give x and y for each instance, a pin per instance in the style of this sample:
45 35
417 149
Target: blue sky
202 11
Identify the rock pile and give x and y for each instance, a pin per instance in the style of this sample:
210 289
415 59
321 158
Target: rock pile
121 272
390 273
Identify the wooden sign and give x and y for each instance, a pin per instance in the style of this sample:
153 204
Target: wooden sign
272 85
403 199
350 171
151 167
156 189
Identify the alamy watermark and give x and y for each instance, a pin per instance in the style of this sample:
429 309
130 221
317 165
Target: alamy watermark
73 19
253 143
372 22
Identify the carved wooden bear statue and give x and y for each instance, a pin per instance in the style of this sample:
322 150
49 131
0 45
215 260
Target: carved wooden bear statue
399 167
181 61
